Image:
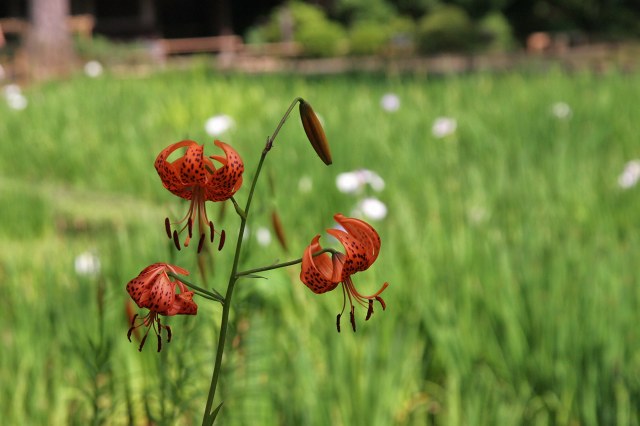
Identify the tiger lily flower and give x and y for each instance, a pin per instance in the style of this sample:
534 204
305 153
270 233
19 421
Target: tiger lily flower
322 273
153 289
194 177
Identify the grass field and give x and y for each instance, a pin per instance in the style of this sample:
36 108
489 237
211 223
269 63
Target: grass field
511 251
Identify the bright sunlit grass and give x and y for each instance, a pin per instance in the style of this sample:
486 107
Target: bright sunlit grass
510 248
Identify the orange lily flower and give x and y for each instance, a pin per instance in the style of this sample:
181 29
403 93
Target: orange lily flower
153 289
194 177
323 273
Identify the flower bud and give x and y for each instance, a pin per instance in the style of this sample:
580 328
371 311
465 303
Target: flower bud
315 132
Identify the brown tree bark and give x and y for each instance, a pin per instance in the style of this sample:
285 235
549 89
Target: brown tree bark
49 45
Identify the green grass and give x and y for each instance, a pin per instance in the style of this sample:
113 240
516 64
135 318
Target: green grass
510 250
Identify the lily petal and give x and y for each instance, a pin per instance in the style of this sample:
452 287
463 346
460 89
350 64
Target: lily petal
317 271
226 180
169 172
183 304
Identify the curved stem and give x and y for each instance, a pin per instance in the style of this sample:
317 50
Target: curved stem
280 124
282 265
210 413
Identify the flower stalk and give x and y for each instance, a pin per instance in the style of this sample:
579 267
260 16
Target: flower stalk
210 413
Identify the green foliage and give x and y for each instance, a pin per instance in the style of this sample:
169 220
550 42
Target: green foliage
395 37
322 39
306 24
496 32
111 53
367 38
447 28
354 11
510 250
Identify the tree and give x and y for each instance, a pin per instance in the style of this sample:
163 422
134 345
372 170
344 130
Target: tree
49 45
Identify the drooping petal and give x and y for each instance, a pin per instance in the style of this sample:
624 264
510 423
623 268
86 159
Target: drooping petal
162 295
183 304
226 180
192 171
139 287
170 173
362 231
317 271
361 243
176 269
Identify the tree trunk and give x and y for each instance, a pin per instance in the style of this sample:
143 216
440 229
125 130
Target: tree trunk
49 45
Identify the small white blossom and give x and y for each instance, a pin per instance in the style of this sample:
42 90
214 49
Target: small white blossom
305 184
17 101
477 214
630 174
11 89
372 208
372 178
390 102
263 236
14 97
348 182
218 124
561 110
354 182
444 126
87 264
93 69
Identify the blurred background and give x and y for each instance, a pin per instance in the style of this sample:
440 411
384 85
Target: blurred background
492 143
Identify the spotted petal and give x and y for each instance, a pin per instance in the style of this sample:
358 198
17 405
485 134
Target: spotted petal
183 304
140 288
162 295
226 180
317 271
361 243
170 173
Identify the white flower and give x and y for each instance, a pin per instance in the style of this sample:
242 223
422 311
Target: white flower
14 97
87 264
372 178
263 235
561 110
11 89
630 175
348 182
218 124
353 182
93 69
443 126
305 184
390 102
372 208
16 101
477 214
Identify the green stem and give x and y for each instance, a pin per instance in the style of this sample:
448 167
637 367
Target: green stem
281 123
282 265
210 413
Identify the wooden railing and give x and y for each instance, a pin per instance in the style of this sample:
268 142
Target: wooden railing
225 43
